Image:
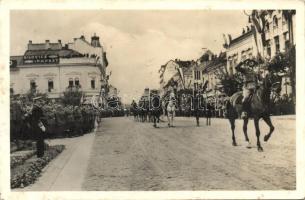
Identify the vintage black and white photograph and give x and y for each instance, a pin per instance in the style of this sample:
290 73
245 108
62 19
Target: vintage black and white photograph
152 100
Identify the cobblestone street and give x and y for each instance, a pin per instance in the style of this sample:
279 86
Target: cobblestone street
130 155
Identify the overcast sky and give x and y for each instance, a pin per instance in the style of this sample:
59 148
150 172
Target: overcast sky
137 42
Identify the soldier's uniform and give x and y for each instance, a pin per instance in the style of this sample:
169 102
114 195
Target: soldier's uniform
35 122
250 81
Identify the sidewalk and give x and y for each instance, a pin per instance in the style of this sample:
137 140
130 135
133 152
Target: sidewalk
66 172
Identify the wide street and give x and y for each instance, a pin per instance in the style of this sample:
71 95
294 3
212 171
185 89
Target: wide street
128 155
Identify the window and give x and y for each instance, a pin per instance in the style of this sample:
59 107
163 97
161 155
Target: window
275 22
70 83
76 82
243 56
197 75
250 55
32 85
283 19
277 44
93 84
268 48
50 85
286 38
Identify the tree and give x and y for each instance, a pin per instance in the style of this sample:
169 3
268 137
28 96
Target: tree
285 63
72 96
231 84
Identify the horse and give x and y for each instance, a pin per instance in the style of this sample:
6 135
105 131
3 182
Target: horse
259 107
171 108
155 110
134 110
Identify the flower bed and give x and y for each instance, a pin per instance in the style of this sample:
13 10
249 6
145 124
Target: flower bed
28 172
19 157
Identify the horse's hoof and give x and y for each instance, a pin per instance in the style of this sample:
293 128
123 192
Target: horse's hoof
249 145
234 144
266 138
260 149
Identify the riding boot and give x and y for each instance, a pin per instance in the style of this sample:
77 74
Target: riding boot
244 113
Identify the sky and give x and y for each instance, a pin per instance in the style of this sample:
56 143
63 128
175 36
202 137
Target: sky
137 42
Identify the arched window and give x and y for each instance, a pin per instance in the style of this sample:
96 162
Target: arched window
50 85
76 82
70 82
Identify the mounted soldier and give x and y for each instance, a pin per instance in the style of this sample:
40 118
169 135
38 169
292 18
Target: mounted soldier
250 83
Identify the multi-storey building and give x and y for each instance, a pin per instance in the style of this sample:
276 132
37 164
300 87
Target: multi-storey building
278 30
240 48
175 74
53 67
199 76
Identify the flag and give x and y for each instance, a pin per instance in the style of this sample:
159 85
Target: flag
181 76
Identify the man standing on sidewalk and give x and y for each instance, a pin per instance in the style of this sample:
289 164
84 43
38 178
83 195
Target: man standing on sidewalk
37 127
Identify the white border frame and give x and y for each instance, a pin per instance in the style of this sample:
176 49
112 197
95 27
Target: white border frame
6 6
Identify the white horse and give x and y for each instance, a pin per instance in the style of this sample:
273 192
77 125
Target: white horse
170 108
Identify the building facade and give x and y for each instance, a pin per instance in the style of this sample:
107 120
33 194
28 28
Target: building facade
279 31
52 68
176 74
199 76
239 49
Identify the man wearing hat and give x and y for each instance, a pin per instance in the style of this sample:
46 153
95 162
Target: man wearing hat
37 126
250 81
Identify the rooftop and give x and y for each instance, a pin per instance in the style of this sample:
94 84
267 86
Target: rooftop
240 38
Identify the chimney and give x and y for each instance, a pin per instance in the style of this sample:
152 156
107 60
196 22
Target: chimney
30 45
95 41
82 37
59 41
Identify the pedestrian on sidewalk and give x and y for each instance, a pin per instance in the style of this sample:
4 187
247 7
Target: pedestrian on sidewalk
37 126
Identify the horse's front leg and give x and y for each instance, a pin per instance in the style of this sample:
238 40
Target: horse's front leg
256 124
173 119
271 127
168 119
232 123
245 129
